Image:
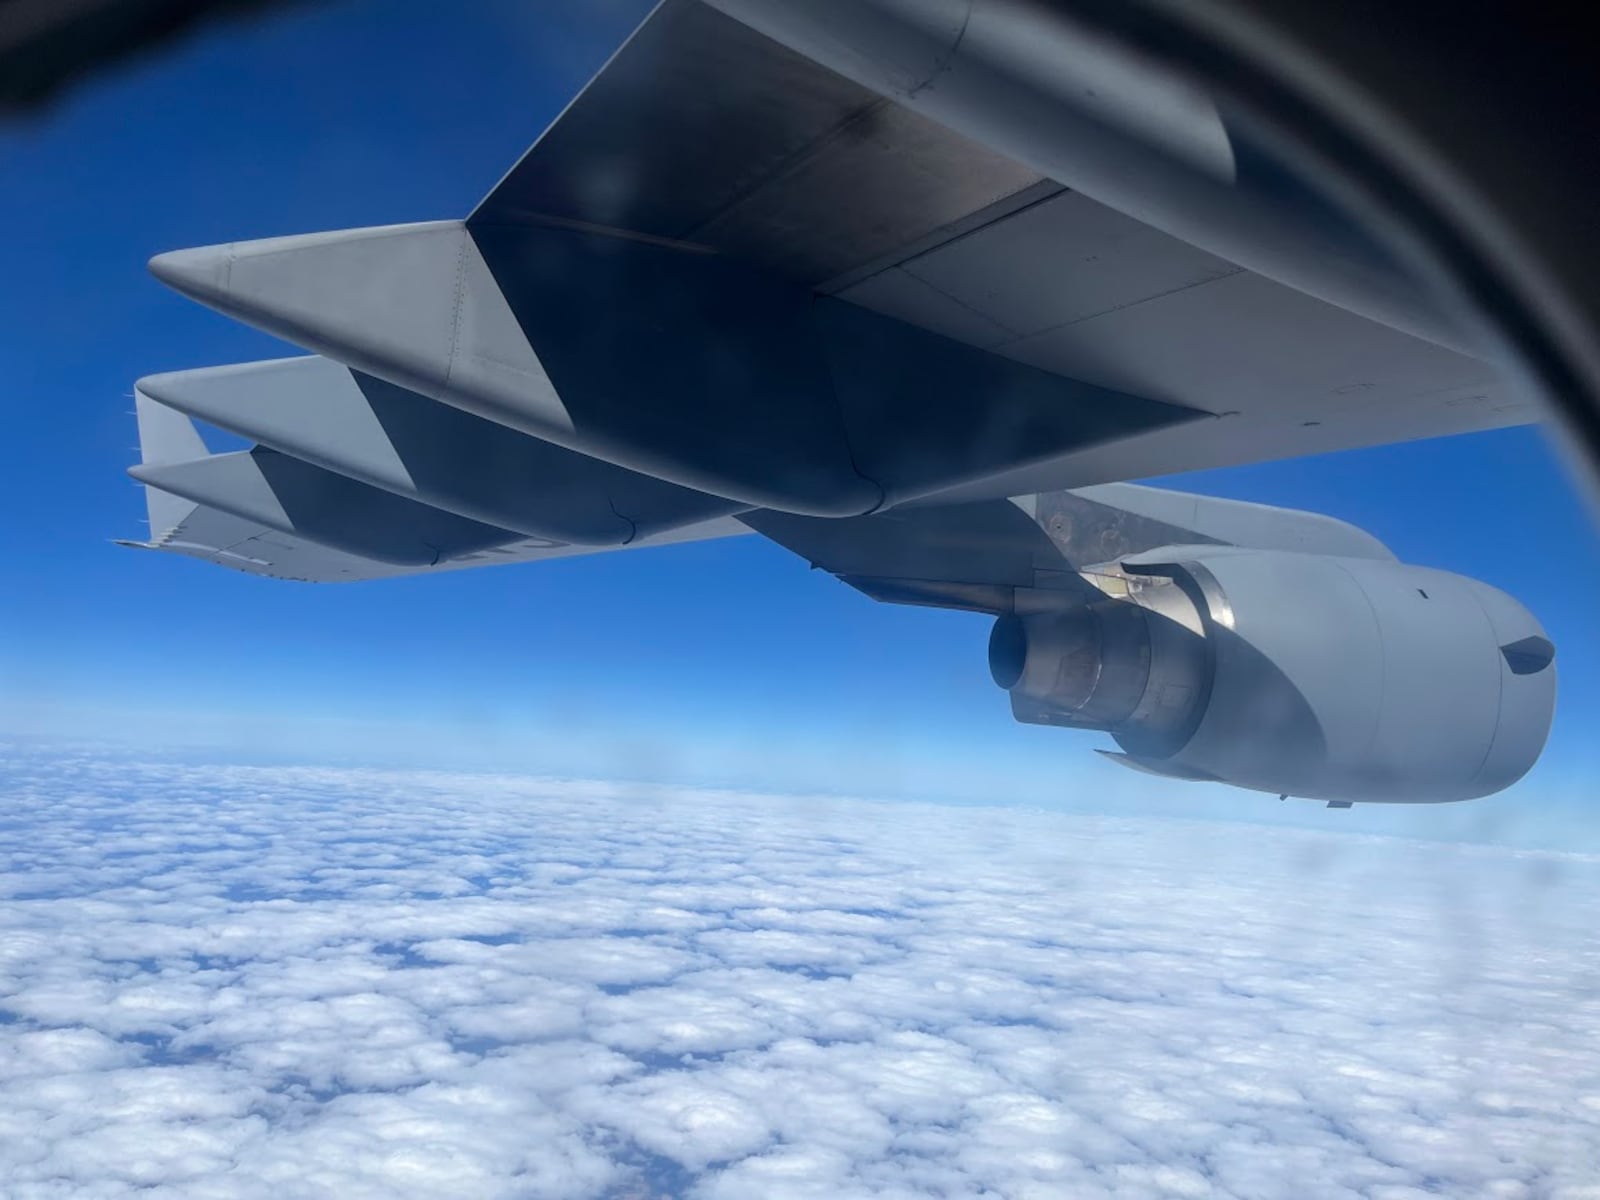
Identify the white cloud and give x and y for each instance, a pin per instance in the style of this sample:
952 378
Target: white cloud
271 982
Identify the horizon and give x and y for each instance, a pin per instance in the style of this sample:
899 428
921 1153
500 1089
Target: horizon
687 871
715 661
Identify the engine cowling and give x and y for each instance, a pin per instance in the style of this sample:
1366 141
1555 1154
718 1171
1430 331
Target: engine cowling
1298 674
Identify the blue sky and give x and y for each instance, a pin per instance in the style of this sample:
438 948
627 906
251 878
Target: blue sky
234 964
727 662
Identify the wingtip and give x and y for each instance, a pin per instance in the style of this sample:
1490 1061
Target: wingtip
165 434
212 393
199 271
331 292
163 388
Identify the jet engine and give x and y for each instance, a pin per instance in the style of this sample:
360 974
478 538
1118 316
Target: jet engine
1341 679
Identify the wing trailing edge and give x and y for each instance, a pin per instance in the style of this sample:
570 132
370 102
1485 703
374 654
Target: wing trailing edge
404 443
269 513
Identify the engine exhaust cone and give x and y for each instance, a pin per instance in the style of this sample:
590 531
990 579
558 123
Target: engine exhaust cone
1008 652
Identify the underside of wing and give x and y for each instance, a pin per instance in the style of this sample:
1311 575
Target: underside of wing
218 537
373 511
812 264
702 130
863 195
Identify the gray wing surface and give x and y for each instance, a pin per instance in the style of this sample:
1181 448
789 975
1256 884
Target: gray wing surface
787 165
730 288
213 536
991 555
217 537
222 508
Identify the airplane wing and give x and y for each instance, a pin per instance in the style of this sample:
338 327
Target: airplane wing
909 287
797 294
862 196
319 526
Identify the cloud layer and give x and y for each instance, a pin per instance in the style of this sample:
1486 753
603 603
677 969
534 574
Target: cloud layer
273 982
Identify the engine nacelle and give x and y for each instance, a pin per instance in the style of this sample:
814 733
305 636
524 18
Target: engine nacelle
1330 678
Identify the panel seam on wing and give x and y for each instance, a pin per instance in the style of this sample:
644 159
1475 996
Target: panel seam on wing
949 56
828 369
462 238
786 167
1116 308
1012 335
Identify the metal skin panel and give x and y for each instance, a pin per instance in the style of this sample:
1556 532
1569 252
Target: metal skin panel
896 292
165 436
1022 78
631 151
1065 259
1441 659
168 438
225 540
1075 287
1286 374
1311 380
683 365
994 543
924 413
679 364
413 304
907 178
753 164
1295 678
743 405
318 506
1358 680
1188 344
407 444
